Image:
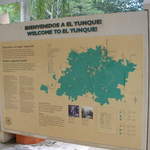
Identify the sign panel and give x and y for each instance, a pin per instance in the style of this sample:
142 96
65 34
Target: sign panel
81 79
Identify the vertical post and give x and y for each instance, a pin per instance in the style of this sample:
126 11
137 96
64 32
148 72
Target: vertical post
25 10
147 7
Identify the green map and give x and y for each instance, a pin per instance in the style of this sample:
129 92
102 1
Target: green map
44 88
95 72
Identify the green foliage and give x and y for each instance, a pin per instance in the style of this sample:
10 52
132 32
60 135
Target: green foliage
62 8
38 8
13 10
112 6
44 9
80 7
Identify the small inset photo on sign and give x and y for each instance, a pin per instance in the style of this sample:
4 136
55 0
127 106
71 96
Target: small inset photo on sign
73 110
87 112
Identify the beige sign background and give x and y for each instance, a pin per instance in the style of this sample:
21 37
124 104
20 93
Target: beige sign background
50 88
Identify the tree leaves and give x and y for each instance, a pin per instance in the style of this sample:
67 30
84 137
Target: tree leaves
13 10
112 6
63 8
44 9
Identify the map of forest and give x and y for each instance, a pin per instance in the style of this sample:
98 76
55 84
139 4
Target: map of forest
94 72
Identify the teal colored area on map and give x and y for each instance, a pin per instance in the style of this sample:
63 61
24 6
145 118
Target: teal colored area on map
44 88
94 72
54 76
